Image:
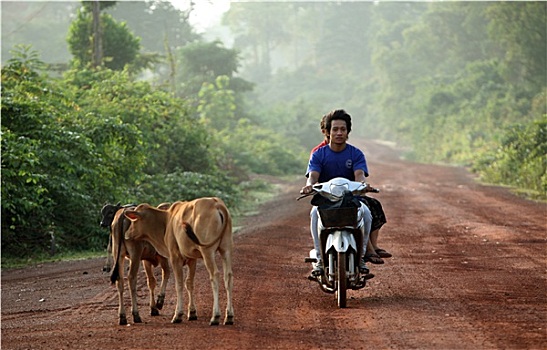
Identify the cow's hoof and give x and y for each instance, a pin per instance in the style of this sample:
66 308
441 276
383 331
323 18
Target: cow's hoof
215 321
177 319
192 315
137 318
123 320
154 311
160 301
229 320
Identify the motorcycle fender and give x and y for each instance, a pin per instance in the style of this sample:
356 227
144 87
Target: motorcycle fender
341 241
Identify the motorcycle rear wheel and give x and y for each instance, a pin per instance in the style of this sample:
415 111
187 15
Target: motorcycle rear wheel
341 291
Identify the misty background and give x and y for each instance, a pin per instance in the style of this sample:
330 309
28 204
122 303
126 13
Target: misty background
166 110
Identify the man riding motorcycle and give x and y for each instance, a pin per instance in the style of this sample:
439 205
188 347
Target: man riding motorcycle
338 159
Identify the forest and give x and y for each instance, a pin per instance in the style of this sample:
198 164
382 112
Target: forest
128 102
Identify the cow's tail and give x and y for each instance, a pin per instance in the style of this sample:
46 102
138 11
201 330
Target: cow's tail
118 237
190 233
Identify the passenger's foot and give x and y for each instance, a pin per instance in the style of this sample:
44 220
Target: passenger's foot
383 253
374 258
368 276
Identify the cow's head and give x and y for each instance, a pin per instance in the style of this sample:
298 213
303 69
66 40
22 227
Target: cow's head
107 214
164 206
142 218
148 224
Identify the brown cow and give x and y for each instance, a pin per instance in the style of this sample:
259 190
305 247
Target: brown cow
188 231
136 250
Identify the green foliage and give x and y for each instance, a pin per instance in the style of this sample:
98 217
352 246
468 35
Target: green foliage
520 29
49 165
217 104
68 148
521 159
242 145
169 136
249 148
184 186
298 121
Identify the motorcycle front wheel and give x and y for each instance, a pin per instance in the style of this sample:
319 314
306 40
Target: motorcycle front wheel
341 291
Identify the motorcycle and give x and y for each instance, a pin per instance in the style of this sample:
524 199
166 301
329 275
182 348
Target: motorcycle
341 238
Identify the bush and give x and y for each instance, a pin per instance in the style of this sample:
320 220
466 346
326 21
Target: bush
520 160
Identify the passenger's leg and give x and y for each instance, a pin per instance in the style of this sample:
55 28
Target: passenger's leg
365 226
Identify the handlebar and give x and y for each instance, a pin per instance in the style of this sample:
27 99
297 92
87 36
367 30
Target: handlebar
374 190
366 190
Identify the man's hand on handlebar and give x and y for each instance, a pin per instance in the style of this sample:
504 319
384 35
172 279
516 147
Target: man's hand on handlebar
306 189
369 188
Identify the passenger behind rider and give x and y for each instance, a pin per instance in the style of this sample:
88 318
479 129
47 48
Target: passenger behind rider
374 253
337 159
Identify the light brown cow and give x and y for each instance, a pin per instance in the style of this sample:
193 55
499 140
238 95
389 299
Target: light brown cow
136 250
188 231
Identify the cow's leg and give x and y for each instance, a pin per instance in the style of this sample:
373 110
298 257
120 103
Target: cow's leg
151 281
210 264
192 313
108 263
119 285
134 260
228 284
165 272
177 265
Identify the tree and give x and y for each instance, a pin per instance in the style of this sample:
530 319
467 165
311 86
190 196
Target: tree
520 30
204 62
120 47
156 23
217 104
259 29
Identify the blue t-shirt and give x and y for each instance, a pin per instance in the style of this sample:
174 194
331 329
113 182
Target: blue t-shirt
330 164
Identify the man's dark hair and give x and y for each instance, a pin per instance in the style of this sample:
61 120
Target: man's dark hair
337 114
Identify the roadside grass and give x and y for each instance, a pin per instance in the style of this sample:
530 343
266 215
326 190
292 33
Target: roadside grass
533 195
13 262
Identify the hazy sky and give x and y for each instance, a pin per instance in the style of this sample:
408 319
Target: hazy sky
206 12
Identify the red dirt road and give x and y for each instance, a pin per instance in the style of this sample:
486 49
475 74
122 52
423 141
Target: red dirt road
468 272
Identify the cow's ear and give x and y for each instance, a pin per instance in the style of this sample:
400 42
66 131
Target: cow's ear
132 215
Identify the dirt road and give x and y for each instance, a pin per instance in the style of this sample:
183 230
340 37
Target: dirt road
468 272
